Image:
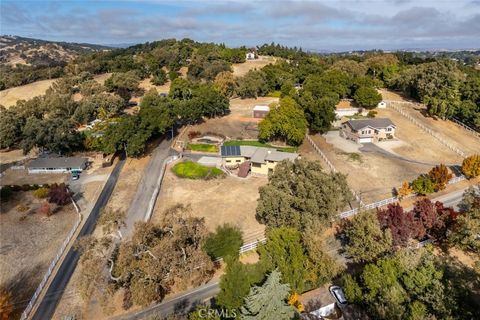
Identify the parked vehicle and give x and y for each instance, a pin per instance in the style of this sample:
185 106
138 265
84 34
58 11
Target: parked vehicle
339 295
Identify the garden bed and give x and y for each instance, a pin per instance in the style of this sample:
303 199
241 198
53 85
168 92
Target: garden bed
256 143
201 147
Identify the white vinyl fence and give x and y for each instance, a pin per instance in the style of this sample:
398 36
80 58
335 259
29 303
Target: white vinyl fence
54 262
392 105
469 129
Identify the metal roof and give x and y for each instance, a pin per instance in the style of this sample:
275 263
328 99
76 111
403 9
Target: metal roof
60 163
261 108
227 151
376 123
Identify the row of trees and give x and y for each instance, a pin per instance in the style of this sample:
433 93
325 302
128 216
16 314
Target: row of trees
396 282
437 178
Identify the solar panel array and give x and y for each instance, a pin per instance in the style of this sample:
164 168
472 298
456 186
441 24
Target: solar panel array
227 151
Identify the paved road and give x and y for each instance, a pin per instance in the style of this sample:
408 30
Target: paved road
139 206
47 306
177 304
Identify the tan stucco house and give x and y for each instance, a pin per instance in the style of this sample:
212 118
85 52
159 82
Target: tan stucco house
262 160
368 130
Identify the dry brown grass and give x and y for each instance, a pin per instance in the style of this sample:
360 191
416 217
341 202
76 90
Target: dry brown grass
28 243
240 69
229 200
9 97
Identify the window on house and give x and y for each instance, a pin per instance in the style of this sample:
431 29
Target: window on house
238 161
228 161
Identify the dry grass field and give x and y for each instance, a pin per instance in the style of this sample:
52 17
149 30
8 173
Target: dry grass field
240 69
28 242
446 129
225 200
9 97
376 171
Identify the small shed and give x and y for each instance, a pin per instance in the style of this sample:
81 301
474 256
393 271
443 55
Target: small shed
260 111
250 55
382 105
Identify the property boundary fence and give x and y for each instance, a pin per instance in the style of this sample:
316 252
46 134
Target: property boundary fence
469 129
324 157
54 262
151 204
392 105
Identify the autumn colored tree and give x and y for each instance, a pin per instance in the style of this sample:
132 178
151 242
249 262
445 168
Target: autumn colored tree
6 305
471 166
404 190
225 83
45 209
59 194
440 176
402 224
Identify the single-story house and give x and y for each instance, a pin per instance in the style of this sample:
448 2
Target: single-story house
57 165
262 160
260 111
368 130
250 55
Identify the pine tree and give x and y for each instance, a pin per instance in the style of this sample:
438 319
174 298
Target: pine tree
268 302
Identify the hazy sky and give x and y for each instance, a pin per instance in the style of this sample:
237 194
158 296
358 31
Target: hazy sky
314 25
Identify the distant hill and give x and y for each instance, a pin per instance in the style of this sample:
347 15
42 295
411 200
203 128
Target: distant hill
34 52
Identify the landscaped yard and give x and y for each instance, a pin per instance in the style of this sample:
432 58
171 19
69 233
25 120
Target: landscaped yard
193 170
256 143
202 147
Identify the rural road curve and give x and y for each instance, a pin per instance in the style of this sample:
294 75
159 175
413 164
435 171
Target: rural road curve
146 188
47 305
181 303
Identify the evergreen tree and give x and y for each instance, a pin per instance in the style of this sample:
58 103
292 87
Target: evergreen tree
268 302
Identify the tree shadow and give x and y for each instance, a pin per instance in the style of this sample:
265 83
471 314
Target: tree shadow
22 287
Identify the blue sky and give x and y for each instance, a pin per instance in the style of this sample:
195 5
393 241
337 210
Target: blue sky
334 25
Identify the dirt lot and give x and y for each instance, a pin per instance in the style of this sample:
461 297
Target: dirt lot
225 200
446 129
28 242
239 124
240 69
9 97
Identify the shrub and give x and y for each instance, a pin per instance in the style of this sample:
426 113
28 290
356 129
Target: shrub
41 193
372 114
471 166
22 208
59 194
45 209
423 185
193 134
6 193
226 241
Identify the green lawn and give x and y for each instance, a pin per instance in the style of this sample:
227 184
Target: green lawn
193 170
258 144
202 147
